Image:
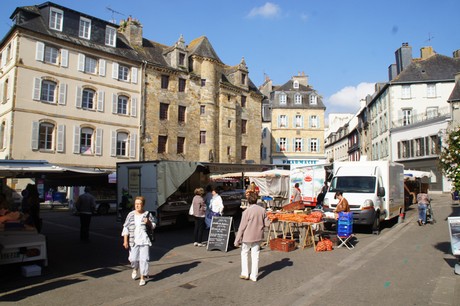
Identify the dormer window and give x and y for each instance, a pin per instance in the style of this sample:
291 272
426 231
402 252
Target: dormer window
181 59
313 99
296 85
110 36
56 19
298 99
283 98
85 28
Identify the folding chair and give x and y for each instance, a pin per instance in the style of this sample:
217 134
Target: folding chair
345 230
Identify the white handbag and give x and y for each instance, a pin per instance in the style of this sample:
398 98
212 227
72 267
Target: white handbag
190 211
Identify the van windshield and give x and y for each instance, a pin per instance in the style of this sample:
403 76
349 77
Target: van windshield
356 184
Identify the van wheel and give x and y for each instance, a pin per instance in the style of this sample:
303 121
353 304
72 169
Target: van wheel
376 225
103 209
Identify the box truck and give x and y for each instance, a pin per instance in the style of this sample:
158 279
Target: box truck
374 190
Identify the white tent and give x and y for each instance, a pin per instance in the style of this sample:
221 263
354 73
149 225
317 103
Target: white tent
415 174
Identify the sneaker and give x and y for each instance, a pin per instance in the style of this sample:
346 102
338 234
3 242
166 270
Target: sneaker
142 282
195 243
244 277
253 279
200 245
134 274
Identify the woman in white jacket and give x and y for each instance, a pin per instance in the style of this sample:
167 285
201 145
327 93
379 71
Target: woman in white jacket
216 205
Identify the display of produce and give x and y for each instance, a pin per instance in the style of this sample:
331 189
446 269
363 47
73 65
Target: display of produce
313 217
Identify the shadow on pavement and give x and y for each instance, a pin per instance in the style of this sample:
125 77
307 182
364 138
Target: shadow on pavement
274 266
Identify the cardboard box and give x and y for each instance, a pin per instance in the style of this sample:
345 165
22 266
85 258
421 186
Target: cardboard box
283 245
31 270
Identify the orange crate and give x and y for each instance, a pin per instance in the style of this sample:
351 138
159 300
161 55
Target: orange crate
283 245
294 206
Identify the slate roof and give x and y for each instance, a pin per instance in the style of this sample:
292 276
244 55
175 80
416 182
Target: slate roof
288 86
455 95
202 47
435 68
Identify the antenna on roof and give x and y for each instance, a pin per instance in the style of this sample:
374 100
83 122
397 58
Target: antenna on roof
113 13
430 37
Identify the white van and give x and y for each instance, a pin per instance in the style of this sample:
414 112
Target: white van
374 190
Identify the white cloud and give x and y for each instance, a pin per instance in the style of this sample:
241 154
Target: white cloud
348 98
268 10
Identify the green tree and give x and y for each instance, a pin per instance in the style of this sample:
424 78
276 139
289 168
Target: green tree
450 157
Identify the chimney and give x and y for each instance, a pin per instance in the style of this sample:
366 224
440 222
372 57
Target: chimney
392 72
403 57
456 54
132 30
426 52
301 78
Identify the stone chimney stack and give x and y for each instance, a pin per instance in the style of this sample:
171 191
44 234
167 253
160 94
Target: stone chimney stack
301 78
456 54
426 52
132 30
403 57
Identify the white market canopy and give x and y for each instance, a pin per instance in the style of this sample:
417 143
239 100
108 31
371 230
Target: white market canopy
251 174
415 174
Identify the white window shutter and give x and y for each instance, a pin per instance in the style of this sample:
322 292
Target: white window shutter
114 103
78 97
35 128
114 70
61 138
2 87
37 89
133 107
39 51
81 62
102 65
309 145
132 145
76 139
113 144
62 94
278 148
64 58
98 149
134 75
100 100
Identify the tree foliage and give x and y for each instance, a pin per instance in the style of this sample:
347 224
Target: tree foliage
450 157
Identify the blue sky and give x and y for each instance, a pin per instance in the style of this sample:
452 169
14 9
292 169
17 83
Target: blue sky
343 46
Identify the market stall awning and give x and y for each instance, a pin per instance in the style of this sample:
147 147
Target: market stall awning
414 174
52 172
268 173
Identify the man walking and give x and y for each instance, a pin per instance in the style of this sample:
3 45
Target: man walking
250 234
85 206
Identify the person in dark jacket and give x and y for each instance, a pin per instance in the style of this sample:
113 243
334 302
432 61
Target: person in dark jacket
85 205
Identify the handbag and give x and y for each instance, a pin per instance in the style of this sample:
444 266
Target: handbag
150 231
190 211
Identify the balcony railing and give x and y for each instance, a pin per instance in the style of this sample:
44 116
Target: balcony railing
441 112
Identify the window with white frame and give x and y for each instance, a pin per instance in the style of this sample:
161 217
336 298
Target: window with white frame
56 19
313 146
314 121
431 90
124 105
85 28
282 121
86 140
48 91
282 144
45 136
405 92
123 73
419 147
296 84
90 65
313 99
298 144
88 98
51 54
283 98
298 99
431 112
110 36
298 121
407 117
122 144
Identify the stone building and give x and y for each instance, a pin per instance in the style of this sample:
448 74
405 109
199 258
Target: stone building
297 122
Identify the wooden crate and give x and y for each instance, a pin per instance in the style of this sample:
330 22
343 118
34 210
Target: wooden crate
283 245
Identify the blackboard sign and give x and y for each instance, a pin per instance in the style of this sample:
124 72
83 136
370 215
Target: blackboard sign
219 233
